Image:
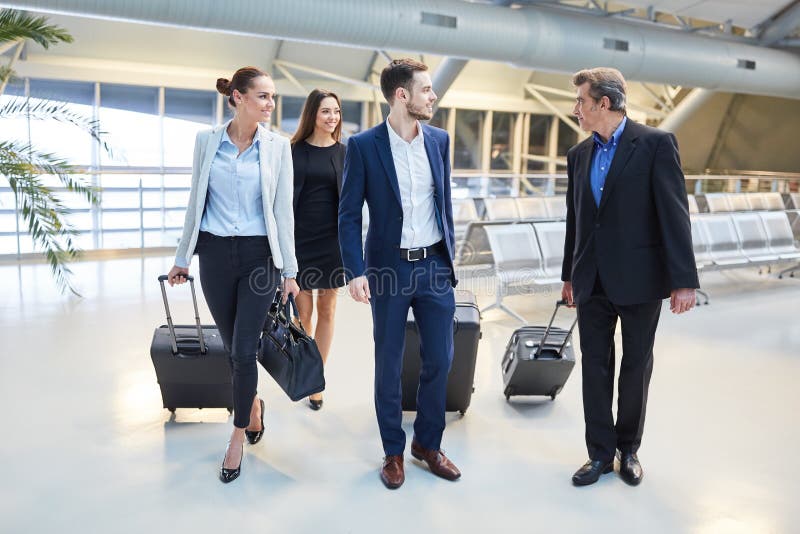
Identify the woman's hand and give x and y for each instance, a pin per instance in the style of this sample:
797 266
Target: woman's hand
289 287
177 275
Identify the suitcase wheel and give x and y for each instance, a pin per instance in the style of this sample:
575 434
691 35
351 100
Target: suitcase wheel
230 410
171 410
462 412
509 391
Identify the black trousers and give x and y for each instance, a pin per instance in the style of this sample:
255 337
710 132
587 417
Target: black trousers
597 321
238 280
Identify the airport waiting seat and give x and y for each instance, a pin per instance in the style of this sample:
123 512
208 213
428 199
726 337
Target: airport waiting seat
551 236
464 212
500 209
795 199
739 202
758 202
701 245
717 202
753 237
780 238
517 261
773 201
693 208
532 208
723 240
556 207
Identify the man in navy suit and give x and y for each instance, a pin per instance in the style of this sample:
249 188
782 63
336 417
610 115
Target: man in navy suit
401 168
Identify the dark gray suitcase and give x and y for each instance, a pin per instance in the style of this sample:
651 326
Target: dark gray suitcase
466 333
191 363
538 359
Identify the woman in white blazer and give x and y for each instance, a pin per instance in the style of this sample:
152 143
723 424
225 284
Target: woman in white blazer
240 223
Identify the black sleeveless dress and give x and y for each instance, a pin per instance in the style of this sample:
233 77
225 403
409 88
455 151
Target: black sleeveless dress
316 217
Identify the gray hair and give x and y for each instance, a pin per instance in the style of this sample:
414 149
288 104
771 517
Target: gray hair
604 81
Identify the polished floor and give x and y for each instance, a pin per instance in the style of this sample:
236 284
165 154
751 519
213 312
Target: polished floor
86 446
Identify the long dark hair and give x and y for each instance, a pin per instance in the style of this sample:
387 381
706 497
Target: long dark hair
308 118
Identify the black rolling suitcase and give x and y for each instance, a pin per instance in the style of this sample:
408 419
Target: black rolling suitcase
538 359
192 365
466 333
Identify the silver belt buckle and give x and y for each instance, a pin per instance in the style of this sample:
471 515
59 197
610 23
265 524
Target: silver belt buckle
424 254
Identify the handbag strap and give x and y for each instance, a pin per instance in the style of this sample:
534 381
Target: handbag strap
289 309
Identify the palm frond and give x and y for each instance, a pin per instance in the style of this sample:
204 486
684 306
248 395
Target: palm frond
15 25
6 74
41 209
57 111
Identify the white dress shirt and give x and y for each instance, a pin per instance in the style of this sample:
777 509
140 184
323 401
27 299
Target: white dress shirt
415 179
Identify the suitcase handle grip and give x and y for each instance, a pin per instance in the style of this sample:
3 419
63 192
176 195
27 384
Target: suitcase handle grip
173 338
165 277
538 352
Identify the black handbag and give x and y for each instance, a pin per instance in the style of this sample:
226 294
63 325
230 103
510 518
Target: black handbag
288 354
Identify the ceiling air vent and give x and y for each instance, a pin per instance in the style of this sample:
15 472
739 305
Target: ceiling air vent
435 19
615 44
748 64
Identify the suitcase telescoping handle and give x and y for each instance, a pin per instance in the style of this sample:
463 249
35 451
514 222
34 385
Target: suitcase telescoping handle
163 278
547 331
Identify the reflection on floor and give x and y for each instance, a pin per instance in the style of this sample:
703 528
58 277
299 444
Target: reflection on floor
88 447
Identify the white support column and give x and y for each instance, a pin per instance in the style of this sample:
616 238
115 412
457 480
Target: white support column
685 109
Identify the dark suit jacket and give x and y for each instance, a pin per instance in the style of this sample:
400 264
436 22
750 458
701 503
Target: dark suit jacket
300 161
639 241
369 174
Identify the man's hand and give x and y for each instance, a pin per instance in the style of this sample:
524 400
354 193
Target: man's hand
682 300
566 294
359 289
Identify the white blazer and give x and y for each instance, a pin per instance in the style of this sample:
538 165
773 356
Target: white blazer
277 188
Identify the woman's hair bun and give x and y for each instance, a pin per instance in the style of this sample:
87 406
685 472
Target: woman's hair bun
224 86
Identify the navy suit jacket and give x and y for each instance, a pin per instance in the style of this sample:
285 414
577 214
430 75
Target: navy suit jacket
639 240
369 174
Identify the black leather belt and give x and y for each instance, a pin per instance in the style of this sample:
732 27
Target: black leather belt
416 254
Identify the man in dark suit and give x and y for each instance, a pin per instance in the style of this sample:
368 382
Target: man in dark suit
401 168
628 246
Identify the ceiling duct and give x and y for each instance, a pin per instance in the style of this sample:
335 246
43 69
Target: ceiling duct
536 37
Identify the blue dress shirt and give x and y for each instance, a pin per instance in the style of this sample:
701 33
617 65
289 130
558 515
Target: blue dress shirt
602 158
234 205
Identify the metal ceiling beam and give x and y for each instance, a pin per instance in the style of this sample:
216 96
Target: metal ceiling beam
782 26
281 64
685 109
541 36
557 112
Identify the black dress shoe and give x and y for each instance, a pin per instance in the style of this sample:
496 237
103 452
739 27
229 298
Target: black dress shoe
254 436
630 469
591 471
229 475
315 404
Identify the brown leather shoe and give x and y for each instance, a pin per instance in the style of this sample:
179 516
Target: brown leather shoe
437 462
392 474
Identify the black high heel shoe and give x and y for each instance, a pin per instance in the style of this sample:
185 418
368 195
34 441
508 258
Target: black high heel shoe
254 436
229 475
315 404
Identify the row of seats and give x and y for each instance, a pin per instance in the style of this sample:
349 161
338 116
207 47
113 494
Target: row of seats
524 255
723 240
508 208
727 202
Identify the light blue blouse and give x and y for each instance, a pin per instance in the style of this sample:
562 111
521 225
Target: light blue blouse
234 206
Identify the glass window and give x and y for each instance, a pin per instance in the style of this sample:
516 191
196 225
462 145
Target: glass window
351 118
467 146
502 133
185 113
538 135
567 138
59 137
130 115
291 109
439 119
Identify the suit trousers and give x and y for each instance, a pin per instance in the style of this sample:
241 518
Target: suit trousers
239 281
597 320
425 287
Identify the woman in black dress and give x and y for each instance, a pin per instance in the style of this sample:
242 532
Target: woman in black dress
318 159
